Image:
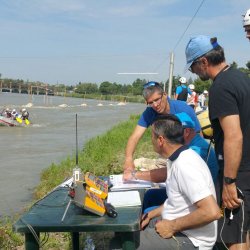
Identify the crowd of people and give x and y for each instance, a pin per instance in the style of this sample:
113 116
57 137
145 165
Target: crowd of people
206 199
187 93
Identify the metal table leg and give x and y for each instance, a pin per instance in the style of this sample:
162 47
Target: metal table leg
75 240
30 242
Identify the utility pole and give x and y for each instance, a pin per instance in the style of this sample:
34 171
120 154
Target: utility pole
171 69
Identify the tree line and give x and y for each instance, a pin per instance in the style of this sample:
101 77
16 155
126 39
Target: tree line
106 87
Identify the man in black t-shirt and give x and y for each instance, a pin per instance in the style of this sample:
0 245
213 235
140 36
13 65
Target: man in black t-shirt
229 113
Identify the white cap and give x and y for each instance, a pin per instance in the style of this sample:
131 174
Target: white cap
246 19
183 80
191 86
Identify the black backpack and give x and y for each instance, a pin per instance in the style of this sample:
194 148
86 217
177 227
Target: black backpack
183 95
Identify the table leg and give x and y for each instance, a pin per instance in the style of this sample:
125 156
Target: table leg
75 240
31 242
128 241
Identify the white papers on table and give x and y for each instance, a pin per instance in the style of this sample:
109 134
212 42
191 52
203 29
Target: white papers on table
118 184
124 198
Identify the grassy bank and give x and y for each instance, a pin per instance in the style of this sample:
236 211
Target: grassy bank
102 155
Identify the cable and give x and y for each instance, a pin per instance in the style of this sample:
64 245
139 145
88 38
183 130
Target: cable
179 40
188 25
242 225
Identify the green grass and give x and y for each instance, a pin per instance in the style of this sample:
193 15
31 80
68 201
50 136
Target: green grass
102 155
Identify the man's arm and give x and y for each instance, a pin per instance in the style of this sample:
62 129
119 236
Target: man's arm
154 175
233 141
206 212
131 146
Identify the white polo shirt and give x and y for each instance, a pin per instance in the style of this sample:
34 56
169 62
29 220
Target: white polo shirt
189 180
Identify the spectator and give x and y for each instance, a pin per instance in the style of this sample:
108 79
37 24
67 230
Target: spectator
188 218
229 113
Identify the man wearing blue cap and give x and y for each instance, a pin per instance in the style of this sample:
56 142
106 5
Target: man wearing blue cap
229 114
156 196
187 220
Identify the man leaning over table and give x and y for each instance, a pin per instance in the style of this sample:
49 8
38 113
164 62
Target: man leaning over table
188 218
156 196
158 104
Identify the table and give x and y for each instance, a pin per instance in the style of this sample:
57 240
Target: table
46 215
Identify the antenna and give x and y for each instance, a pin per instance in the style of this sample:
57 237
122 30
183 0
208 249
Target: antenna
76 143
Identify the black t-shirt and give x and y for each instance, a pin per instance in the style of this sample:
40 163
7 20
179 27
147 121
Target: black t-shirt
230 95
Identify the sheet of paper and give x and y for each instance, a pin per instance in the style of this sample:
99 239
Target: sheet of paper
118 184
124 198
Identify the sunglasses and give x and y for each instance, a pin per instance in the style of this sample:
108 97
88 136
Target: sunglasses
194 62
155 102
150 84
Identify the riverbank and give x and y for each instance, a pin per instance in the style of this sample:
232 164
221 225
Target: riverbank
102 155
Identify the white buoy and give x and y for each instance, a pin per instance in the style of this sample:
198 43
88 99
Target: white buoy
121 103
63 105
28 105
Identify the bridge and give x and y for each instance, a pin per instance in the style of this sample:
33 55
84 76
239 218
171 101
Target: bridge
25 88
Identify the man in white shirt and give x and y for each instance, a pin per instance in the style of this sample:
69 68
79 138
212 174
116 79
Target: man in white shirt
188 218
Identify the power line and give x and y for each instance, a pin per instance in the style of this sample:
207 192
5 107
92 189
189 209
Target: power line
177 43
188 25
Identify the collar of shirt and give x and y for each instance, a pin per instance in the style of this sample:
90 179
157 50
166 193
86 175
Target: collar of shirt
176 154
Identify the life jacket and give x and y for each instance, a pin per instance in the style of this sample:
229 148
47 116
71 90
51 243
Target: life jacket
183 95
206 127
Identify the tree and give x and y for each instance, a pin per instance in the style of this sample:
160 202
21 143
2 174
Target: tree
106 88
89 88
138 86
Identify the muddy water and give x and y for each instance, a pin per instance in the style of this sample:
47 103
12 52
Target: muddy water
26 151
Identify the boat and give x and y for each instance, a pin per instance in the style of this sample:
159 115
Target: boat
11 118
4 121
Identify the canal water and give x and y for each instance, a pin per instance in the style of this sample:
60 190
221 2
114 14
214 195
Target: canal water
26 151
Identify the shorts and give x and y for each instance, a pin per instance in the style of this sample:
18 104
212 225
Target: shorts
233 226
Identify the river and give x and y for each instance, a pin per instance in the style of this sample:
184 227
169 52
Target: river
26 151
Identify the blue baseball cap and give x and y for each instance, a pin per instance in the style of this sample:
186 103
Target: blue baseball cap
185 120
197 47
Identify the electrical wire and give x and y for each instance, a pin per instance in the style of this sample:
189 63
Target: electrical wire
181 37
184 32
242 225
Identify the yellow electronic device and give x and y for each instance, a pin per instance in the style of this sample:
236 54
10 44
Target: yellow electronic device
87 199
96 185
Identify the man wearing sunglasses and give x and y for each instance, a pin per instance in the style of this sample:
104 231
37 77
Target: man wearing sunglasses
158 104
229 114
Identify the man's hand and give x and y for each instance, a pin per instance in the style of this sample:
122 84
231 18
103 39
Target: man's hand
144 221
229 196
129 165
165 228
127 175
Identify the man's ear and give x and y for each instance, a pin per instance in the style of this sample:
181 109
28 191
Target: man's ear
161 140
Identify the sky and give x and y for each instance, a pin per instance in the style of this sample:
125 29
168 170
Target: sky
72 41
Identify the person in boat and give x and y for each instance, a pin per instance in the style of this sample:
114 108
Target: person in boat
7 113
14 114
24 114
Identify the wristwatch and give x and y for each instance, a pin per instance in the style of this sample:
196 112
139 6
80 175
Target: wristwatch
133 173
229 180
